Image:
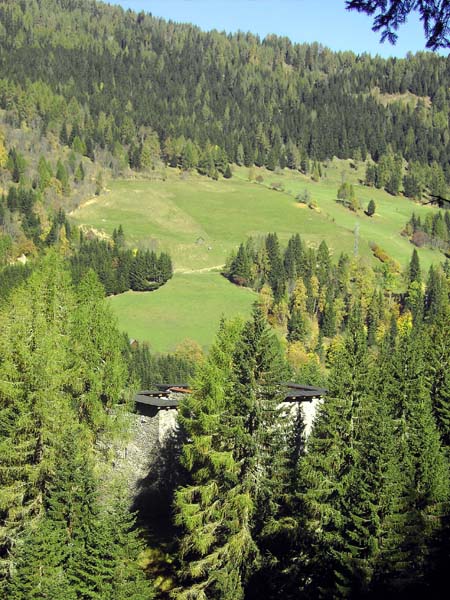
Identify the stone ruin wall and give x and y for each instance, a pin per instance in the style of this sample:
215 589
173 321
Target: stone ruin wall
151 428
148 432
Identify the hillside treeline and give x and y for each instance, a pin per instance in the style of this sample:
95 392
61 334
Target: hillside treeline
118 268
103 79
433 230
308 295
149 369
39 177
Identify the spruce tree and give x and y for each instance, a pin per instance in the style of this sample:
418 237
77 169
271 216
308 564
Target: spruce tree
214 510
79 547
34 401
231 422
414 271
97 366
228 174
38 565
436 295
240 268
277 275
371 208
331 462
420 474
328 325
297 326
438 371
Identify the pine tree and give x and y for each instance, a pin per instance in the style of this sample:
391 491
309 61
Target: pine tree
438 371
240 268
328 325
98 369
290 265
61 175
371 208
34 401
420 475
79 173
436 295
44 172
138 281
79 548
373 318
216 544
39 569
323 264
297 326
277 276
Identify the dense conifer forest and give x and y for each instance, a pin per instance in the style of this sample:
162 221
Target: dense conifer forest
251 507
208 99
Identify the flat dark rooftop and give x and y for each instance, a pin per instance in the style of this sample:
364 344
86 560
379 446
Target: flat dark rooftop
302 394
162 398
159 401
167 386
300 386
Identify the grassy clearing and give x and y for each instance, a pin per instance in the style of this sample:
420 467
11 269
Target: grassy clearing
199 221
188 306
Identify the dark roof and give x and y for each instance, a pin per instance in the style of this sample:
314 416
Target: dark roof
306 388
301 395
160 401
154 393
162 396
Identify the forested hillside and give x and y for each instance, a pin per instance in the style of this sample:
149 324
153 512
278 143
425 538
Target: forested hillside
251 507
65 530
89 90
104 78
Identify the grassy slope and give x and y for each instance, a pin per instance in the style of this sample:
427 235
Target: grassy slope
188 306
384 227
177 213
200 221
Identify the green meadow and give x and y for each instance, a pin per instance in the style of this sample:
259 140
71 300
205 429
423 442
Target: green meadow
189 306
200 221
383 228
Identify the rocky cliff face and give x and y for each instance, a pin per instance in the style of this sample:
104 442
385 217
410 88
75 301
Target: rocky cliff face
152 441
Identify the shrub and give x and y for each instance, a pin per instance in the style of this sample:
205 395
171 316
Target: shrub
420 238
304 197
371 208
354 204
384 257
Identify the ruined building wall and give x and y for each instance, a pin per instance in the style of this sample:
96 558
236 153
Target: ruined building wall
150 457
151 431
